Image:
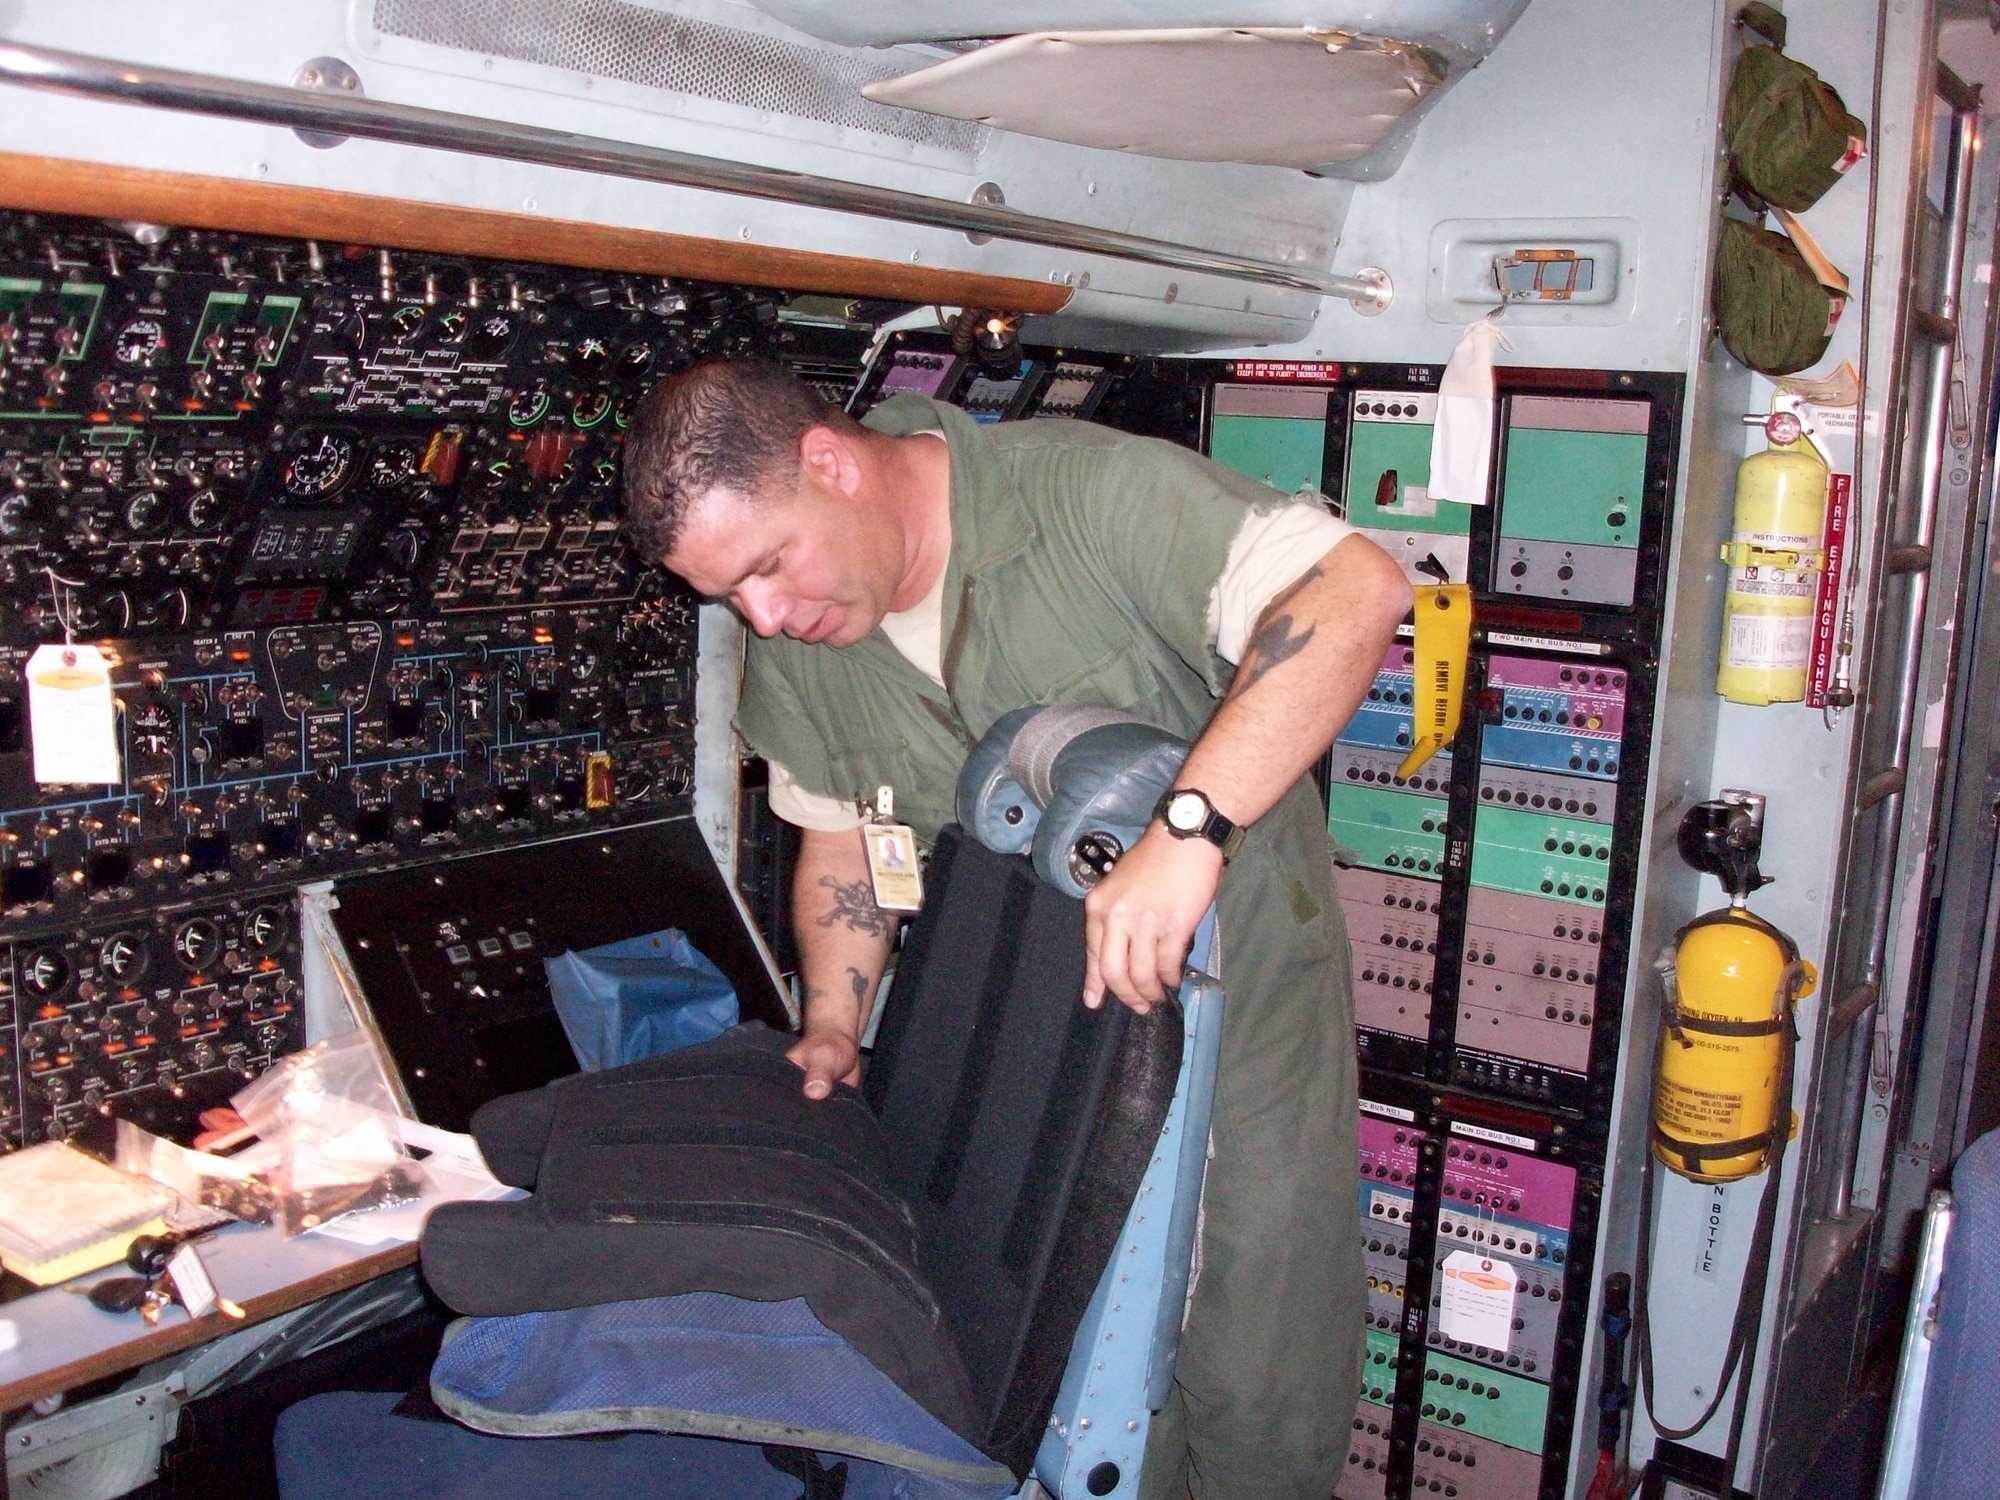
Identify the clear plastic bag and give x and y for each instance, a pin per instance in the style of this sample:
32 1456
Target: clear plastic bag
328 1114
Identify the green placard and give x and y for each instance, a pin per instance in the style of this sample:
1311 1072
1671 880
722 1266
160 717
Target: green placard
1487 1403
1384 460
1534 854
1286 453
1387 830
1578 487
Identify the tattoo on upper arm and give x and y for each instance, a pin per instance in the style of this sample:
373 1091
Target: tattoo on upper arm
1277 638
853 907
860 982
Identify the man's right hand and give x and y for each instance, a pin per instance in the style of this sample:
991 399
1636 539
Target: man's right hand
827 1056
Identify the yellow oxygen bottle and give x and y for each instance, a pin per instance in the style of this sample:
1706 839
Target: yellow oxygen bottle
1775 557
1721 1091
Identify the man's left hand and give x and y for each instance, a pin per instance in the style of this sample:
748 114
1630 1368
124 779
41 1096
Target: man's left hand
1140 919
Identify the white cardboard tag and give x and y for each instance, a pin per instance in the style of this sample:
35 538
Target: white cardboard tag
191 1280
70 716
1476 1305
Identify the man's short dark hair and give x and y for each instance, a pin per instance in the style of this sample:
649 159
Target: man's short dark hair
728 423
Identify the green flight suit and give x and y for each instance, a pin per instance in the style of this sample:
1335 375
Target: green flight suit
1082 561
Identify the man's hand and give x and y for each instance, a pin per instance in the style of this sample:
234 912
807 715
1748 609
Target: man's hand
827 1055
1140 919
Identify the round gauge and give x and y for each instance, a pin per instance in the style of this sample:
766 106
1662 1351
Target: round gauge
529 407
351 333
320 467
122 956
590 355
405 323
152 729
264 928
591 408
451 325
15 513
497 473
489 340
205 510
139 342
44 972
168 610
115 612
391 465
197 942
635 360
604 473
146 512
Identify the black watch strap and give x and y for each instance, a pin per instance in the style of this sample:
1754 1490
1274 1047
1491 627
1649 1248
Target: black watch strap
1218 830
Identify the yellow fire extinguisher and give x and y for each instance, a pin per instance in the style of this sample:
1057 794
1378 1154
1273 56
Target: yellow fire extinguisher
1775 557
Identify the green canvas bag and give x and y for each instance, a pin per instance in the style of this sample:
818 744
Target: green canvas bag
1789 135
1771 310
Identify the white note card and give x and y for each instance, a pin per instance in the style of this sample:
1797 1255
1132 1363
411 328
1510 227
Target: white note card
70 715
1477 1303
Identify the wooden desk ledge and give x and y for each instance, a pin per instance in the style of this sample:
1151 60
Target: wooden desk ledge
49 184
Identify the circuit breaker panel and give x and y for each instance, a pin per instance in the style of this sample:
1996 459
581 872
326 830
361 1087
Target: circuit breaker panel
344 523
1489 893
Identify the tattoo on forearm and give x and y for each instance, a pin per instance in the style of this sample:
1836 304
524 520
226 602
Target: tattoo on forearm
853 907
860 982
1277 638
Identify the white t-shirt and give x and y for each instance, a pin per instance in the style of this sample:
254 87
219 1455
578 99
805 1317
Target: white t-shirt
1272 550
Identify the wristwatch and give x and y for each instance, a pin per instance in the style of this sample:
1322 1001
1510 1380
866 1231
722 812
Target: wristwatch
1189 814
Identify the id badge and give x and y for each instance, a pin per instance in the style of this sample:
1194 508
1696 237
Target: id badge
892 857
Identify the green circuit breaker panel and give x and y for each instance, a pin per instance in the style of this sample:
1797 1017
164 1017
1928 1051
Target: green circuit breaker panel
1571 493
1387 830
1273 434
1389 466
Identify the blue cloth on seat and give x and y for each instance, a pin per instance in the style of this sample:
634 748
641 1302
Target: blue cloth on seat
345 1445
1958 1453
636 998
680 1363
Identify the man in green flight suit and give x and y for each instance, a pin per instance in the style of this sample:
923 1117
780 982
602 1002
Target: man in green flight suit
912 578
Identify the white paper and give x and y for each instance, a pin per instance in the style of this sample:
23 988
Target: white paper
70 716
1476 1303
191 1281
1462 439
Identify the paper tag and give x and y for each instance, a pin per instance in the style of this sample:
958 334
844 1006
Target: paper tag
70 716
1476 1304
1444 634
191 1282
892 863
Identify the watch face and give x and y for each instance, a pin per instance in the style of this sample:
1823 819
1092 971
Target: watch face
1186 811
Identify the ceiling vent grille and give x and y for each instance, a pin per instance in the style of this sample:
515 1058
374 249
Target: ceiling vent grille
639 45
